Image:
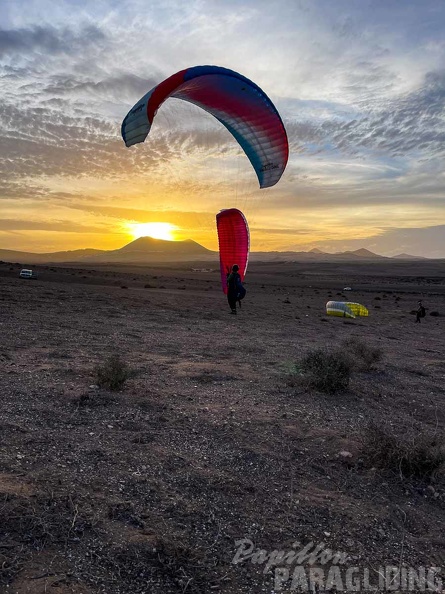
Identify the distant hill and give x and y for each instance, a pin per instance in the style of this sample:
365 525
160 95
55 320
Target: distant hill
144 249
317 255
363 253
50 257
149 245
408 257
148 249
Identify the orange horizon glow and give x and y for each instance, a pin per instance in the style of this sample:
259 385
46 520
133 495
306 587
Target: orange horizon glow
156 230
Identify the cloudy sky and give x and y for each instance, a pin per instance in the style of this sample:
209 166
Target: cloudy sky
360 86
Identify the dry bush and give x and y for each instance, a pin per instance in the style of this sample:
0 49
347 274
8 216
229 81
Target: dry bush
364 356
94 400
169 562
125 512
113 374
29 524
326 370
417 458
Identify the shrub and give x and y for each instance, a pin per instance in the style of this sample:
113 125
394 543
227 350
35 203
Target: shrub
112 374
418 458
94 400
326 370
435 314
364 356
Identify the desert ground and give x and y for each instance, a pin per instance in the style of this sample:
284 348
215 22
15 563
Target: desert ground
214 437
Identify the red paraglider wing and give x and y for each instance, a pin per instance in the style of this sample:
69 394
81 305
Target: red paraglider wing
233 238
237 102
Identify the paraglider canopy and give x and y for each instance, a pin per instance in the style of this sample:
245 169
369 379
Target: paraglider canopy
237 102
345 309
233 239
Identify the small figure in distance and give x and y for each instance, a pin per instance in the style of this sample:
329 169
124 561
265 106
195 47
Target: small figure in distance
233 284
420 313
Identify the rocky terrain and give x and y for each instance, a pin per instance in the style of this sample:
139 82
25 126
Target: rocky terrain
213 438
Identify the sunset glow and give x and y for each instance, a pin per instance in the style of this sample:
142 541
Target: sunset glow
155 230
359 89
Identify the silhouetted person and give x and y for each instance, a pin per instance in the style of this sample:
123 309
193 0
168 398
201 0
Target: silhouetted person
420 312
233 287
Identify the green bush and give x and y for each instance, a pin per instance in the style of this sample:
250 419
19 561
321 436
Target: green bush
113 374
326 370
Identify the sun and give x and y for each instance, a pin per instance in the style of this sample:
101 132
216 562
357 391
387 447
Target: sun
155 230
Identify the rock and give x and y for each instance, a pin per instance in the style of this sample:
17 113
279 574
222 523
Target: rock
345 454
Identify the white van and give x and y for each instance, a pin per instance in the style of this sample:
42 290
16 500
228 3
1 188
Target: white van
26 273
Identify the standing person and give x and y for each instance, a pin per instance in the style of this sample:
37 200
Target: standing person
233 284
420 313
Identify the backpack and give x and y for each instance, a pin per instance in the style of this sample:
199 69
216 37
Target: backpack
241 292
422 311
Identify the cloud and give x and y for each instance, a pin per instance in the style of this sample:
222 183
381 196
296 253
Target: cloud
181 218
279 231
51 139
427 242
413 124
61 226
120 87
360 87
48 39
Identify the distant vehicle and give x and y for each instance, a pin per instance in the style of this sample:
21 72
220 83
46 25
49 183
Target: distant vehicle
347 289
26 273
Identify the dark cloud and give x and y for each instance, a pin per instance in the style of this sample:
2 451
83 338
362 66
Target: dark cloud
48 39
46 140
120 87
304 135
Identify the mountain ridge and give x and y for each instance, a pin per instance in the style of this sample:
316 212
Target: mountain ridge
404 256
363 253
149 249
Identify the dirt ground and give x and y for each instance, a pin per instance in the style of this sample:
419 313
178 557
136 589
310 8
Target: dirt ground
212 439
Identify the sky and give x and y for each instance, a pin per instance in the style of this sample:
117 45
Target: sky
359 84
